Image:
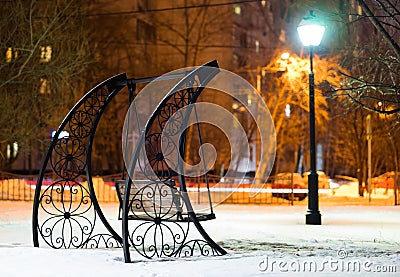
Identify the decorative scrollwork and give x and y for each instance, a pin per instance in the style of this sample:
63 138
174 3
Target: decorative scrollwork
158 149
102 241
96 101
65 212
158 238
80 124
182 98
158 156
68 211
67 203
155 201
160 204
186 94
92 106
68 159
170 119
197 247
102 95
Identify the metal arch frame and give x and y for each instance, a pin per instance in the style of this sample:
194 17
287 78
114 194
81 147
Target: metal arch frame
112 87
182 149
81 122
181 246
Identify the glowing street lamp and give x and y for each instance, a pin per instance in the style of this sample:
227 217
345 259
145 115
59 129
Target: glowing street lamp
311 32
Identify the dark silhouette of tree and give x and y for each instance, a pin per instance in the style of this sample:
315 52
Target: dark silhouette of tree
44 51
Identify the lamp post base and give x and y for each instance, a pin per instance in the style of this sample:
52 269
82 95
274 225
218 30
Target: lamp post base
313 218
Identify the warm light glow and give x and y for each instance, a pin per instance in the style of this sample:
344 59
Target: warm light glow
235 106
9 54
45 54
257 46
12 150
237 9
44 87
285 56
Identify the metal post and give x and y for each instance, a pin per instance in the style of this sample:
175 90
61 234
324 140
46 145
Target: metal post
395 189
313 215
369 137
292 187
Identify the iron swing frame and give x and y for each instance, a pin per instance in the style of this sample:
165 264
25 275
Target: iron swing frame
70 157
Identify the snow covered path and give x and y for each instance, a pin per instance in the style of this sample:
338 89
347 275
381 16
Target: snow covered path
260 240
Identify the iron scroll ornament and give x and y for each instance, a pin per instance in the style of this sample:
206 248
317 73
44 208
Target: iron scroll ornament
151 163
66 212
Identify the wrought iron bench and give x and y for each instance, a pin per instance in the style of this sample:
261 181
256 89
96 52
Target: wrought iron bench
144 208
145 205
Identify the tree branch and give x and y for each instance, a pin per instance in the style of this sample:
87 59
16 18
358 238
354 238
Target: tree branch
380 28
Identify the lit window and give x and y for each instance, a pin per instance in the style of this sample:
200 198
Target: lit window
11 54
237 9
44 86
359 10
45 54
12 150
257 46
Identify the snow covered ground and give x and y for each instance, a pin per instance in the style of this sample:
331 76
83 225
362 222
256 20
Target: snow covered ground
260 240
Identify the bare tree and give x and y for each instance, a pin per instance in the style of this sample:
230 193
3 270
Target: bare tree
186 37
186 34
372 54
385 17
44 50
286 94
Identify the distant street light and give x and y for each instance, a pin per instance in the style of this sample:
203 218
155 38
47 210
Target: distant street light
285 55
311 32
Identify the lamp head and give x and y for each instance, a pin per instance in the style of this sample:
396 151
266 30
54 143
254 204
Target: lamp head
311 30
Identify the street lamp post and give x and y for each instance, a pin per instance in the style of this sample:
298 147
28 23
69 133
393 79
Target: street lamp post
311 32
